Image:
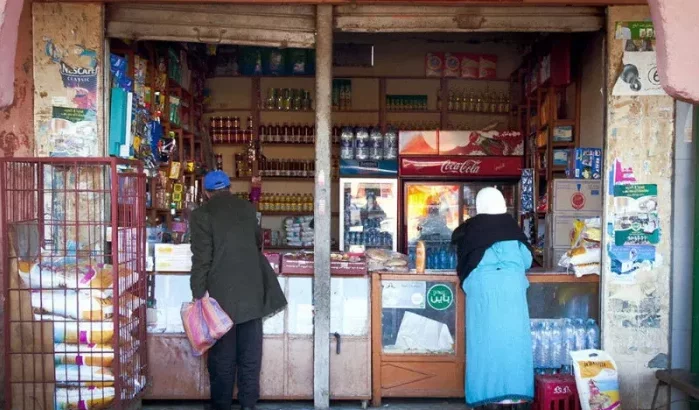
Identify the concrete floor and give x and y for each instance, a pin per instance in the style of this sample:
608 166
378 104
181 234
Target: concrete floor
387 405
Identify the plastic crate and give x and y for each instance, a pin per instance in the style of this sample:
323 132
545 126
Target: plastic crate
556 392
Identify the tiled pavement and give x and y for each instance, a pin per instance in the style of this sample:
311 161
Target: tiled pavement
387 405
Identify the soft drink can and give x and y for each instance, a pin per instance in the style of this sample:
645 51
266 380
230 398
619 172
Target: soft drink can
347 144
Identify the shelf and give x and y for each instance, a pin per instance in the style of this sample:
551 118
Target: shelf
563 145
356 111
289 111
535 277
226 109
283 179
488 114
292 213
367 77
413 112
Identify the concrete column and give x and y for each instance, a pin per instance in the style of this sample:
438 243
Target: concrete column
636 309
323 180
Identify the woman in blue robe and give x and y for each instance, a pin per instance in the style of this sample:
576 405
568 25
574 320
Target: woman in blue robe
493 257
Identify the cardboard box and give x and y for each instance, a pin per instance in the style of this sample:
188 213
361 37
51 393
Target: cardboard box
469 65
452 65
488 66
585 163
173 258
573 195
563 133
434 64
562 228
560 157
551 258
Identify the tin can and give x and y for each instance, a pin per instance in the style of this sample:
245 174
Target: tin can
347 143
361 152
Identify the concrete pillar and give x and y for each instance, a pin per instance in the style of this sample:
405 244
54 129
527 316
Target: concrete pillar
68 74
636 310
323 180
10 11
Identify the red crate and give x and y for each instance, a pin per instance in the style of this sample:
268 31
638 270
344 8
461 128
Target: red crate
556 392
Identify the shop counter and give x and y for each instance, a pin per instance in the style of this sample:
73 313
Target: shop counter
287 360
418 327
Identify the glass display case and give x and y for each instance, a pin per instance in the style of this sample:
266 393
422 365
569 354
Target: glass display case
369 208
434 210
418 336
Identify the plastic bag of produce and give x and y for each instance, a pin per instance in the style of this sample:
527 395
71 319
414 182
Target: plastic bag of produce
204 323
72 304
586 233
597 380
85 398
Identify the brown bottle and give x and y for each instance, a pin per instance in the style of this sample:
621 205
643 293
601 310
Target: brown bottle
285 133
262 133
250 130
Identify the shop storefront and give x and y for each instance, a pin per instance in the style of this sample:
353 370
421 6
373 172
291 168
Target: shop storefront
386 149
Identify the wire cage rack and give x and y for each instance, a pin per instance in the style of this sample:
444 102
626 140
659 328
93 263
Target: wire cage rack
72 255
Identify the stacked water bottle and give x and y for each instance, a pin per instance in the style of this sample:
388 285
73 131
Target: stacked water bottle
554 339
437 257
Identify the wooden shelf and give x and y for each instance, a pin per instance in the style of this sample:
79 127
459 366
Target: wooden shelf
225 109
488 114
281 179
289 111
535 277
413 112
368 77
292 213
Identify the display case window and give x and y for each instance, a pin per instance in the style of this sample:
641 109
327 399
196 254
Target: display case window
300 306
171 291
470 191
274 325
349 310
432 214
564 300
369 210
418 317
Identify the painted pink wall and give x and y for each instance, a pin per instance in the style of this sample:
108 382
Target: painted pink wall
677 32
16 80
10 11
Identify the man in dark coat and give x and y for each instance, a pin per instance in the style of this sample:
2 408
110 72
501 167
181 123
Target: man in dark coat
228 264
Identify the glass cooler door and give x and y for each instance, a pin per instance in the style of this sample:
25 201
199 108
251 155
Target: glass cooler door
369 211
471 189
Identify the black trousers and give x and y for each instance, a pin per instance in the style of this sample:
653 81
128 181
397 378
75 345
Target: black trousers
238 351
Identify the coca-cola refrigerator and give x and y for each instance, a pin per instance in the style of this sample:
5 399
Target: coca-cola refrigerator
441 173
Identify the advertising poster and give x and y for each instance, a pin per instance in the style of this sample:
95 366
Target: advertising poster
636 215
639 74
73 132
401 294
627 260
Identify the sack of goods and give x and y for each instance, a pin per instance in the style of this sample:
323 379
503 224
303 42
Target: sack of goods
299 232
77 295
386 260
585 255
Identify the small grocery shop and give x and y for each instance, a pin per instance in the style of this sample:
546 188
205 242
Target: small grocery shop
416 120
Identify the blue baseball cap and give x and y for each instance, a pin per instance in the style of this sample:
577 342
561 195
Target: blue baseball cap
215 180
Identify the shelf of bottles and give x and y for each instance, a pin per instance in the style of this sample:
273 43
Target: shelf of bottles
276 168
486 102
287 99
228 130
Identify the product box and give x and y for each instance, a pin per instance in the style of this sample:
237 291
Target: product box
434 64
573 195
274 259
562 228
560 157
470 64
487 67
173 258
585 163
452 65
563 133
551 258
302 263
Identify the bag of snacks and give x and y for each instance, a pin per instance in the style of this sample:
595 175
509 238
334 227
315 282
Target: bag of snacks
597 380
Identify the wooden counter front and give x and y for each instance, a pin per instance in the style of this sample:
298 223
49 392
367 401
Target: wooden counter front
416 375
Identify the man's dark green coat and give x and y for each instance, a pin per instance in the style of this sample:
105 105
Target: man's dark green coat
227 261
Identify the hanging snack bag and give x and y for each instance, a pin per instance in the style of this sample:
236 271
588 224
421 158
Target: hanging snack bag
434 64
597 380
470 64
452 65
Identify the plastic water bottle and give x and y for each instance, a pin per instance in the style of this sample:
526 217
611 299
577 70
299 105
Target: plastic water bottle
546 331
591 334
579 335
568 345
556 345
536 342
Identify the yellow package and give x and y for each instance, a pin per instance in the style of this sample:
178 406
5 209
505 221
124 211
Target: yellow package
597 380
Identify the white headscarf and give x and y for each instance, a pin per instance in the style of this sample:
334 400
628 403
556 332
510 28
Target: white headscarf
490 201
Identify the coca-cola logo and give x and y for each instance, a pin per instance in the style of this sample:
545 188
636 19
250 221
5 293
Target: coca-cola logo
470 166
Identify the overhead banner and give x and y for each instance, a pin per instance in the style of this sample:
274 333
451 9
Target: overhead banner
461 167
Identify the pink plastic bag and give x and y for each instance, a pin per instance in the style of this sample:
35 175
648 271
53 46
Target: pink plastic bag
204 323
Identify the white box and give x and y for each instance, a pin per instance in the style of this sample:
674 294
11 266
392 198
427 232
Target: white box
173 258
562 225
575 195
